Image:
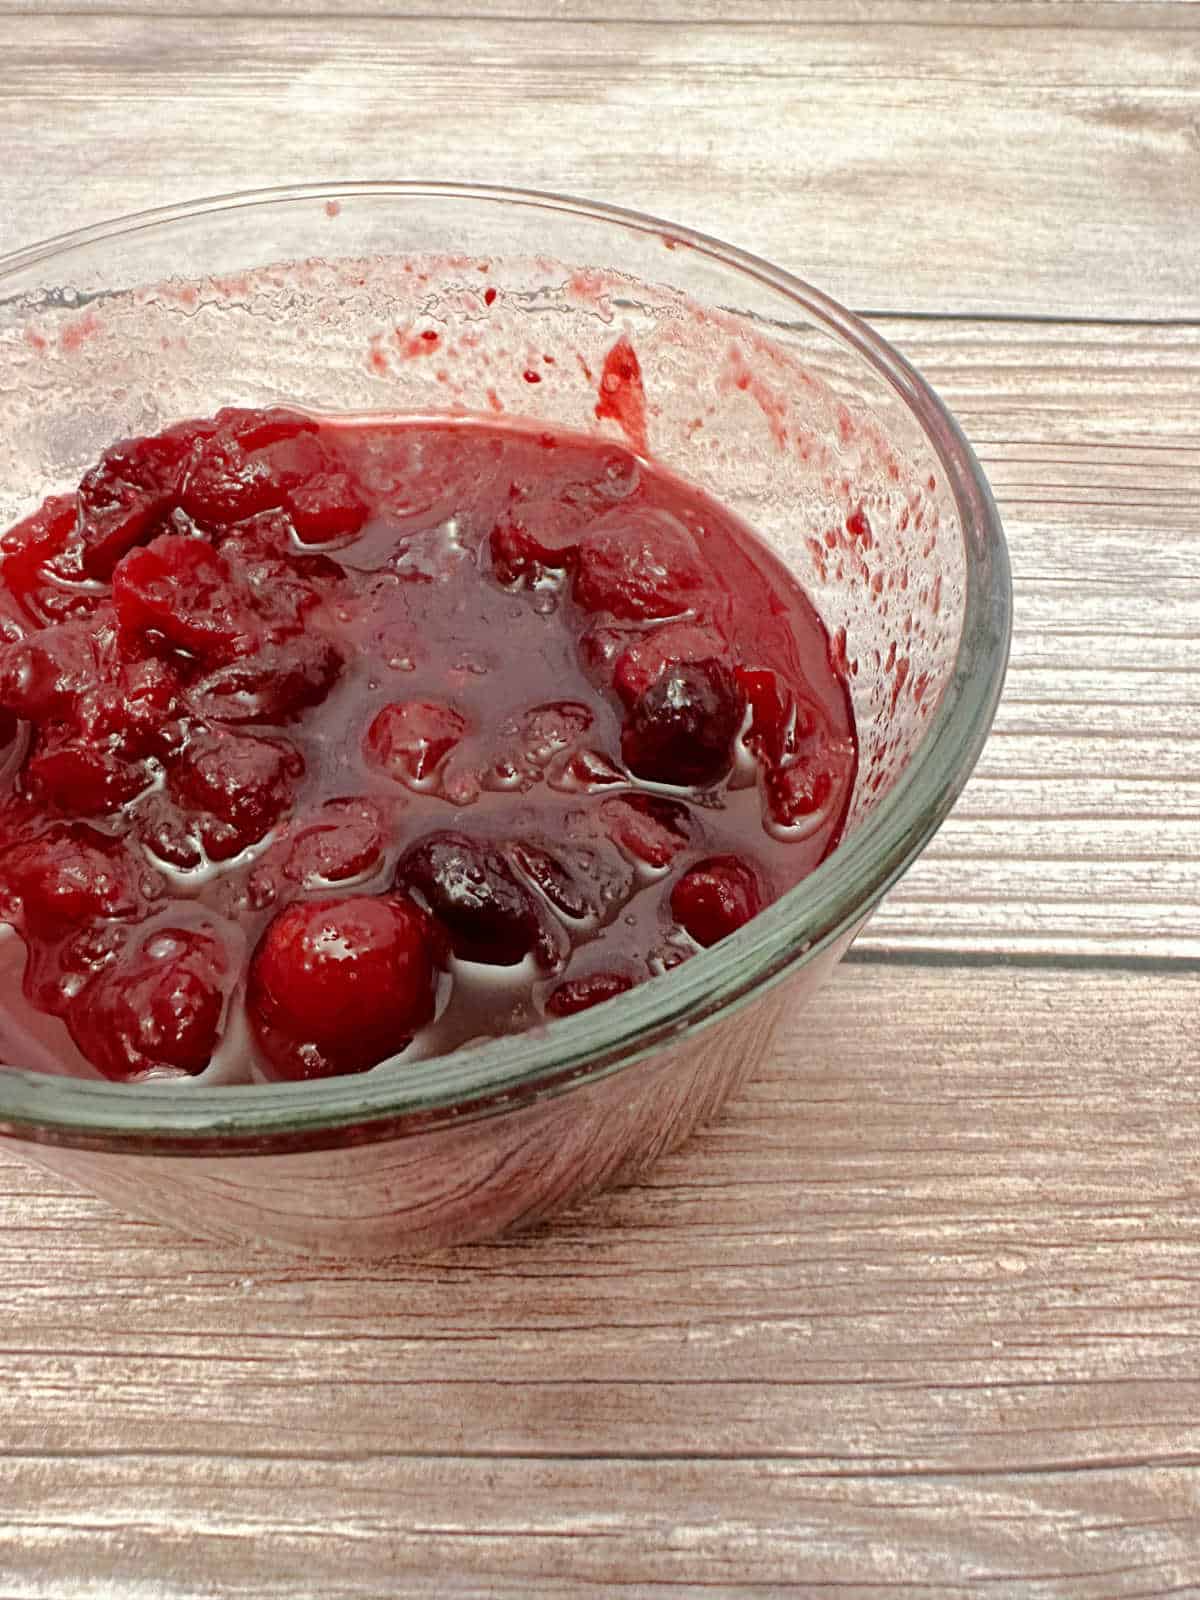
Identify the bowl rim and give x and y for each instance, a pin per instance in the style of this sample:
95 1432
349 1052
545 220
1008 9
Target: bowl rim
819 914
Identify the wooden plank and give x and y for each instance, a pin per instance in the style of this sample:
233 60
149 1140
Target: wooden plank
913 173
921 1310
290 1527
825 14
1079 831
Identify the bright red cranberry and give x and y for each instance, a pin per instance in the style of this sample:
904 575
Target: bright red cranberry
337 986
645 661
410 739
346 841
681 729
179 594
580 994
326 508
716 898
241 786
255 430
468 887
68 875
781 722
125 499
157 1012
639 565
80 778
42 677
228 482
33 550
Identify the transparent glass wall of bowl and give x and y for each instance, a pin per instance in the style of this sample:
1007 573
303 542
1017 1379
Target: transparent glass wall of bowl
452 1185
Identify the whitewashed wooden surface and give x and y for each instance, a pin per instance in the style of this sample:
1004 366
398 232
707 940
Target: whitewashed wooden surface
921 1316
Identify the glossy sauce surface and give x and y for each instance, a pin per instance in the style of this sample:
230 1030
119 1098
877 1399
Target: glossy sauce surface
322 742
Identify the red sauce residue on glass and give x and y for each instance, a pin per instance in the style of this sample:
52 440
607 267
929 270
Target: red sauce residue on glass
622 397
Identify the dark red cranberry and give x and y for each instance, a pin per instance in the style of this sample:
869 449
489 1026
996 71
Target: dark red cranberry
158 1011
126 498
715 898
410 739
135 716
337 986
274 684
68 875
639 565
57 969
580 994
167 833
681 729
227 482
468 887
250 465
572 893
241 786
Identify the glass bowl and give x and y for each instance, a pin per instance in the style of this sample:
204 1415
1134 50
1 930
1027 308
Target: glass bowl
759 389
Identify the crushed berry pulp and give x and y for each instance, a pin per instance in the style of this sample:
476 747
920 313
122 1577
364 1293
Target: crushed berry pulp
325 742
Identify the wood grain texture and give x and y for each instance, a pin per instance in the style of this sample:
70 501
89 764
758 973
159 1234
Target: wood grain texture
903 166
1089 789
921 1311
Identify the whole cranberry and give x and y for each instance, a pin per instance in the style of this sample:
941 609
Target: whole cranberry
715 898
681 729
469 889
337 986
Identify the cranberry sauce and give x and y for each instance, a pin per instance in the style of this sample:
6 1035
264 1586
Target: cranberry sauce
322 742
